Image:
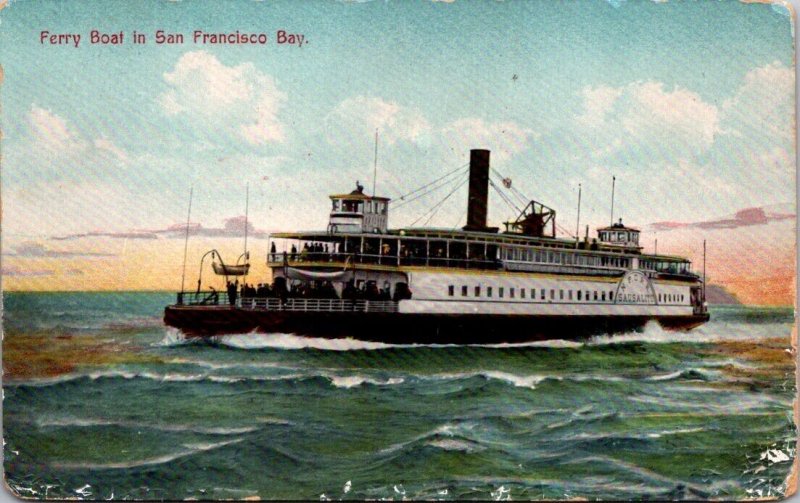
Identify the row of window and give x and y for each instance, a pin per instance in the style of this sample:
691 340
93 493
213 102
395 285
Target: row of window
670 297
668 267
359 206
565 258
579 295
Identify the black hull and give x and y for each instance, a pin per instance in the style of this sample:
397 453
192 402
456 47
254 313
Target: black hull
400 328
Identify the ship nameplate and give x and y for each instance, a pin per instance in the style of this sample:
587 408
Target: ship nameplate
635 288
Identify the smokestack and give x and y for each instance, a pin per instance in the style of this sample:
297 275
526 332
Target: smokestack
478 190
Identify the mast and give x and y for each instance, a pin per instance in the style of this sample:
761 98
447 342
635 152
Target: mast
186 240
246 215
578 224
375 165
704 270
613 185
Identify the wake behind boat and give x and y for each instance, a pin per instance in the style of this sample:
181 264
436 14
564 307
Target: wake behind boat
476 285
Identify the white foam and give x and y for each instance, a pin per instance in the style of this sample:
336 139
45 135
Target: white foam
454 444
290 341
188 450
92 422
357 380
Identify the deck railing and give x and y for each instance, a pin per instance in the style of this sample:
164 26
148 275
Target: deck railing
324 305
211 298
339 259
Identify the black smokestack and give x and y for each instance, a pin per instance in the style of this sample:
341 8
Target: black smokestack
478 190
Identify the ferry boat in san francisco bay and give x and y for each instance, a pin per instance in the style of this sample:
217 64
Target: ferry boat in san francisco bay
475 285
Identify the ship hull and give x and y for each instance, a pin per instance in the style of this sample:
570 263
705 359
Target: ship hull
405 328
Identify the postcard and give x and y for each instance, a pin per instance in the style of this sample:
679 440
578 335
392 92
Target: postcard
399 250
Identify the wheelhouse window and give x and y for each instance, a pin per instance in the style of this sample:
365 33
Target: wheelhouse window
500 292
511 292
451 290
488 291
464 291
477 291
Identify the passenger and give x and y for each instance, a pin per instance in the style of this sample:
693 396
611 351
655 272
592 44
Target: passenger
350 292
231 293
372 292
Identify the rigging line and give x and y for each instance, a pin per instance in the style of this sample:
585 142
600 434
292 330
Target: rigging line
435 208
442 183
460 218
431 187
520 197
402 198
504 197
439 204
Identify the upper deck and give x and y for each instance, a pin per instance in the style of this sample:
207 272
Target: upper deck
358 235
460 249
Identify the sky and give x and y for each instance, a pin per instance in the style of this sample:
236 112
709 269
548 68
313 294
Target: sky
689 104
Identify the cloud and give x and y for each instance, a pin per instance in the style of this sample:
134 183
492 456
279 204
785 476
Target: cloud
239 100
38 250
504 139
763 105
103 144
647 118
597 103
232 228
359 117
10 270
743 218
103 234
51 132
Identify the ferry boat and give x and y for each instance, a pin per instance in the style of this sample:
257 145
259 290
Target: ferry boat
475 285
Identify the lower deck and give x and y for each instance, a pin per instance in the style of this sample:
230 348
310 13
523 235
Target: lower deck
381 322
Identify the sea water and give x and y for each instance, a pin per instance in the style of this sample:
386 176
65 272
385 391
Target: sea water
101 400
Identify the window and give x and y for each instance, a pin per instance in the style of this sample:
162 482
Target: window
533 293
595 295
451 290
561 295
552 294
570 294
579 294
477 291
522 293
464 291
588 297
511 293
544 294
611 296
488 291
500 292
603 296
